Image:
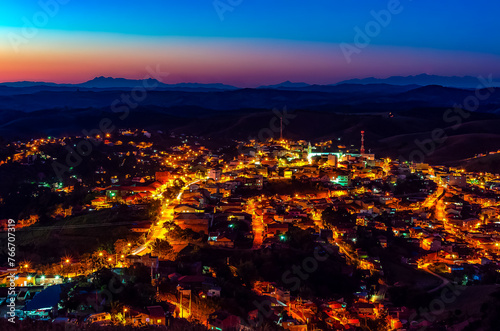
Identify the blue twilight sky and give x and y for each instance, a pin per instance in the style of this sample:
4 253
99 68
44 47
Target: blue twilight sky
444 28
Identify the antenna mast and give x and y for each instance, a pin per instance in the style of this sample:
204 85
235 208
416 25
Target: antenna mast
362 142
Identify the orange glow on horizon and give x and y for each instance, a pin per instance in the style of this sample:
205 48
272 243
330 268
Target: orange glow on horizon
78 57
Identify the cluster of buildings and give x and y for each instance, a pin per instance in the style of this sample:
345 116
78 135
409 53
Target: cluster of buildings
448 218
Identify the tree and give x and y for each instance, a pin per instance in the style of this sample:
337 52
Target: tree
330 216
122 246
203 308
162 249
96 261
154 209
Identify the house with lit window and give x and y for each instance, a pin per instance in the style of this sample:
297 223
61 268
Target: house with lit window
185 208
220 240
100 203
156 315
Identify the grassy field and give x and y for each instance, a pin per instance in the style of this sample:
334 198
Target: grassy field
75 235
410 276
488 163
471 298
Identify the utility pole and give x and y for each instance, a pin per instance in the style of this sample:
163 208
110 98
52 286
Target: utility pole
190 303
281 128
180 302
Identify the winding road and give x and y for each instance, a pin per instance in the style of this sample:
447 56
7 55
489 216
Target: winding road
157 228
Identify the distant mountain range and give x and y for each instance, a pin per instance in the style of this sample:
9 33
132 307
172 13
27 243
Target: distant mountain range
411 81
467 82
424 79
353 98
287 84
110 82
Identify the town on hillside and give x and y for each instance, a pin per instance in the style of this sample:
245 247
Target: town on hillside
180 232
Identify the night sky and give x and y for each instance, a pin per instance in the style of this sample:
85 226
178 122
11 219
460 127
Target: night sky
246 42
